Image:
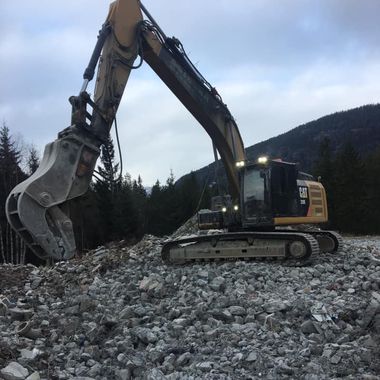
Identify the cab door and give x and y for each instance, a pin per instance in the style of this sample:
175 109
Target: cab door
284 190
256 197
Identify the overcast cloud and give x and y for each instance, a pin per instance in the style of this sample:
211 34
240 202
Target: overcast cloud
276 63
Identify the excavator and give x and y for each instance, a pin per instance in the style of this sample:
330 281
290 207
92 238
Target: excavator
264 196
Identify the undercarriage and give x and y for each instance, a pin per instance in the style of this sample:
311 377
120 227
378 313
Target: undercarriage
299 245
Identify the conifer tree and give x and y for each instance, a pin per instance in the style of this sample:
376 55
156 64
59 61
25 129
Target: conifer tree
350 191
372 205
171 218
10 175
125 215
33 160
325 169
155 210
106 189
190 195
139 197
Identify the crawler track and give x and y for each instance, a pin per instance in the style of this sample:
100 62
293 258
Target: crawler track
241 245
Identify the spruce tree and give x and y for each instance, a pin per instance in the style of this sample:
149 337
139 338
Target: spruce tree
155 210
109 170
126 222
171 218
139 197
350 191
10 175
372 205
325 169
10 158
106 189
190 196
33 160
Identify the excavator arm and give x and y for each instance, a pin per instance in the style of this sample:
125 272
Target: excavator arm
35 207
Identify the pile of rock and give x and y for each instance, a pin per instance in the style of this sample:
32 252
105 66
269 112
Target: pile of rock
120 313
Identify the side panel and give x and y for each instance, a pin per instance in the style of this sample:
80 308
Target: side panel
312 205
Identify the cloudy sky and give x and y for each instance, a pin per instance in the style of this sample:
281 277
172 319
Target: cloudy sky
276 63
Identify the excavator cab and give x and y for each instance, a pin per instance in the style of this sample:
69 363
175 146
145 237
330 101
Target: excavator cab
274 193
269 191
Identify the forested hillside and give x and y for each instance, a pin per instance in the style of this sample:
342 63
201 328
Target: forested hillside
360 126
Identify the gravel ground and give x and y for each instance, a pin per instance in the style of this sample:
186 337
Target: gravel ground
120 313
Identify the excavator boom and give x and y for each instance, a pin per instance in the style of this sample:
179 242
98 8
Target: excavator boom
35 207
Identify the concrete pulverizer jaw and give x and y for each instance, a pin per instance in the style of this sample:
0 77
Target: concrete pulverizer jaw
33 207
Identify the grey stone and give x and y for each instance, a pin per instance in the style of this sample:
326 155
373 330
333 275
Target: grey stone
252 357
205 366
145 335
218 283
336 358
36 281
151 283
370 312
155 374
124 374
237 310
30 354
34 376
275 306
183 359
308 327
14 371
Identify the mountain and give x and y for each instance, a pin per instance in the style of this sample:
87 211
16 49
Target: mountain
360 126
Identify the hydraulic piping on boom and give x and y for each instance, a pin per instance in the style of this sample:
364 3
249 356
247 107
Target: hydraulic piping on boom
263 195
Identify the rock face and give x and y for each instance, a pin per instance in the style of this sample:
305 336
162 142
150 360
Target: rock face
120 313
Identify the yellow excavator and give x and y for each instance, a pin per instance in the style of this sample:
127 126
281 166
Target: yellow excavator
263 196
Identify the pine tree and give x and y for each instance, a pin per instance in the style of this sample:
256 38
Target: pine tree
372 206
155 210
126 217
325 169
109 169
10 175
33 160
350 187
10 158
106 190
139 197
171 217
190 196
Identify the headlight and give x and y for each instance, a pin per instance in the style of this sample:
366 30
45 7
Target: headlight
236 207
224 209
240 164
262 160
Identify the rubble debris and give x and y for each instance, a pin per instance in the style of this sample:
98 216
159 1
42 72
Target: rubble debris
120 313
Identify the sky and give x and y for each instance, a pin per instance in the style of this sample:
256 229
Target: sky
276 63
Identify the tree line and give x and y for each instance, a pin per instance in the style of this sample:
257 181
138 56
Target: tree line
115 207
120 208
352 184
